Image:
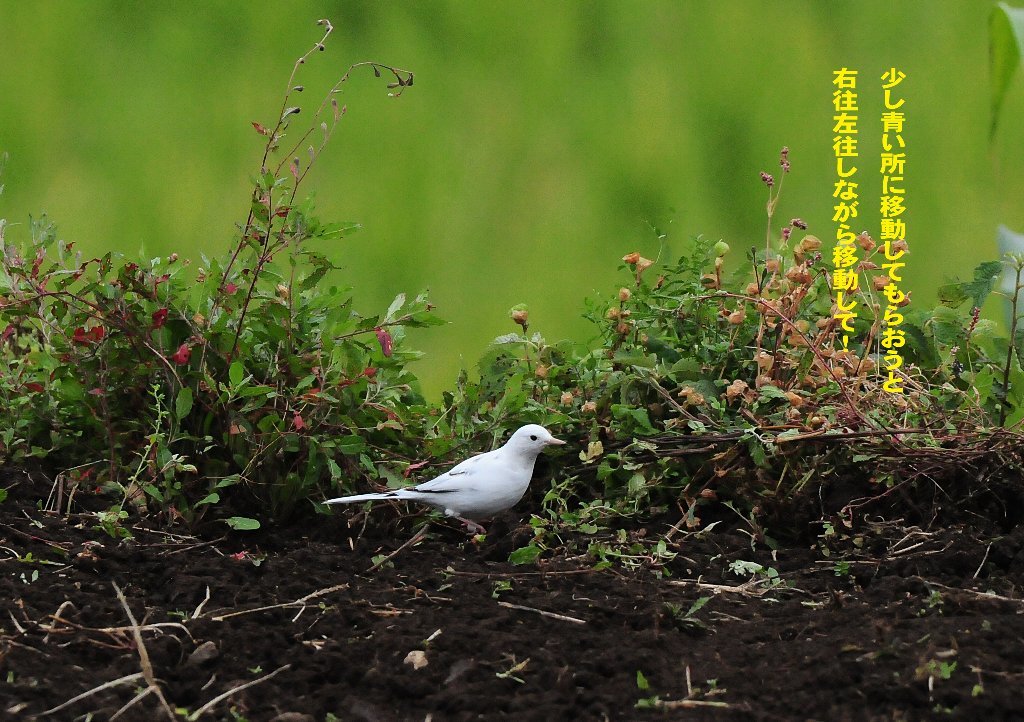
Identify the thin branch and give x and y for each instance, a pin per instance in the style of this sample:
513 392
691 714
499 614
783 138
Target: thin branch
130 703
415 538
284 605
140 648
213 702
542 612
106 685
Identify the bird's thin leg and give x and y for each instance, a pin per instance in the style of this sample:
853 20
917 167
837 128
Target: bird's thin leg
471 526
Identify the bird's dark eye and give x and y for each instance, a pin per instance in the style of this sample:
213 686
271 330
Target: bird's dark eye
533 437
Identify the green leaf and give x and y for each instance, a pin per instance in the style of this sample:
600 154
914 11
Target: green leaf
641 681
183 403
698 605
209 499
3 495
985 277
1018 342
153 492
350 445
1006 47
525 555
947 325
772 392
242 523
952 294
394 307
638 415
228 481
236 373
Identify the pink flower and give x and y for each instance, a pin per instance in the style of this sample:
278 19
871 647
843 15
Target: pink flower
385 340
159 318
182 355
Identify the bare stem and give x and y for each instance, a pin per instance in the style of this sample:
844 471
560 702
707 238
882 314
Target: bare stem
1010 345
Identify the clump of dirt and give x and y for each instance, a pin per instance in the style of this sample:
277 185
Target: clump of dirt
290 623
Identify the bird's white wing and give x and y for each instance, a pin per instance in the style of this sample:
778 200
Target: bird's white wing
459 477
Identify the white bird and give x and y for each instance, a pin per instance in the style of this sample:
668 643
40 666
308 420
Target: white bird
481 486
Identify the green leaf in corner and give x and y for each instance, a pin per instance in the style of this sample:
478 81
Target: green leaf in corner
1018 342
242 523
1006 47
183 403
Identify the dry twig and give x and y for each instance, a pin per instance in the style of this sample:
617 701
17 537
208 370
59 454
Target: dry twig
147 666
220 697
300 602
543 613
106 685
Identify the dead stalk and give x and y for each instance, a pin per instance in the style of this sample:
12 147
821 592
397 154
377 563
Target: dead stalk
106 685
140 648
301 602
213 702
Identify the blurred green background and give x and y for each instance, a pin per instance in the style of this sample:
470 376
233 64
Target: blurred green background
538 145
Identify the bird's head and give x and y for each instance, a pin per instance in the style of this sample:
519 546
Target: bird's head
531 439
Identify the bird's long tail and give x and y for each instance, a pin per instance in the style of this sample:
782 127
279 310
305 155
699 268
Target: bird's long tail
363 497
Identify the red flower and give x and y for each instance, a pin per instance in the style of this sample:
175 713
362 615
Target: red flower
182 355
369 372
385 340
297 422
230 288
92 335
159 318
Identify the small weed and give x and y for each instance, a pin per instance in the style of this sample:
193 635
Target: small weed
111 522
769 576
502 585
935 603
515 669
688 618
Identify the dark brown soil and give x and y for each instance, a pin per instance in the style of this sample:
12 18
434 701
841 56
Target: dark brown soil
297 617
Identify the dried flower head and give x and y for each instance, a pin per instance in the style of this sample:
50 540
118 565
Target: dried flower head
736 389
810 243
520 315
